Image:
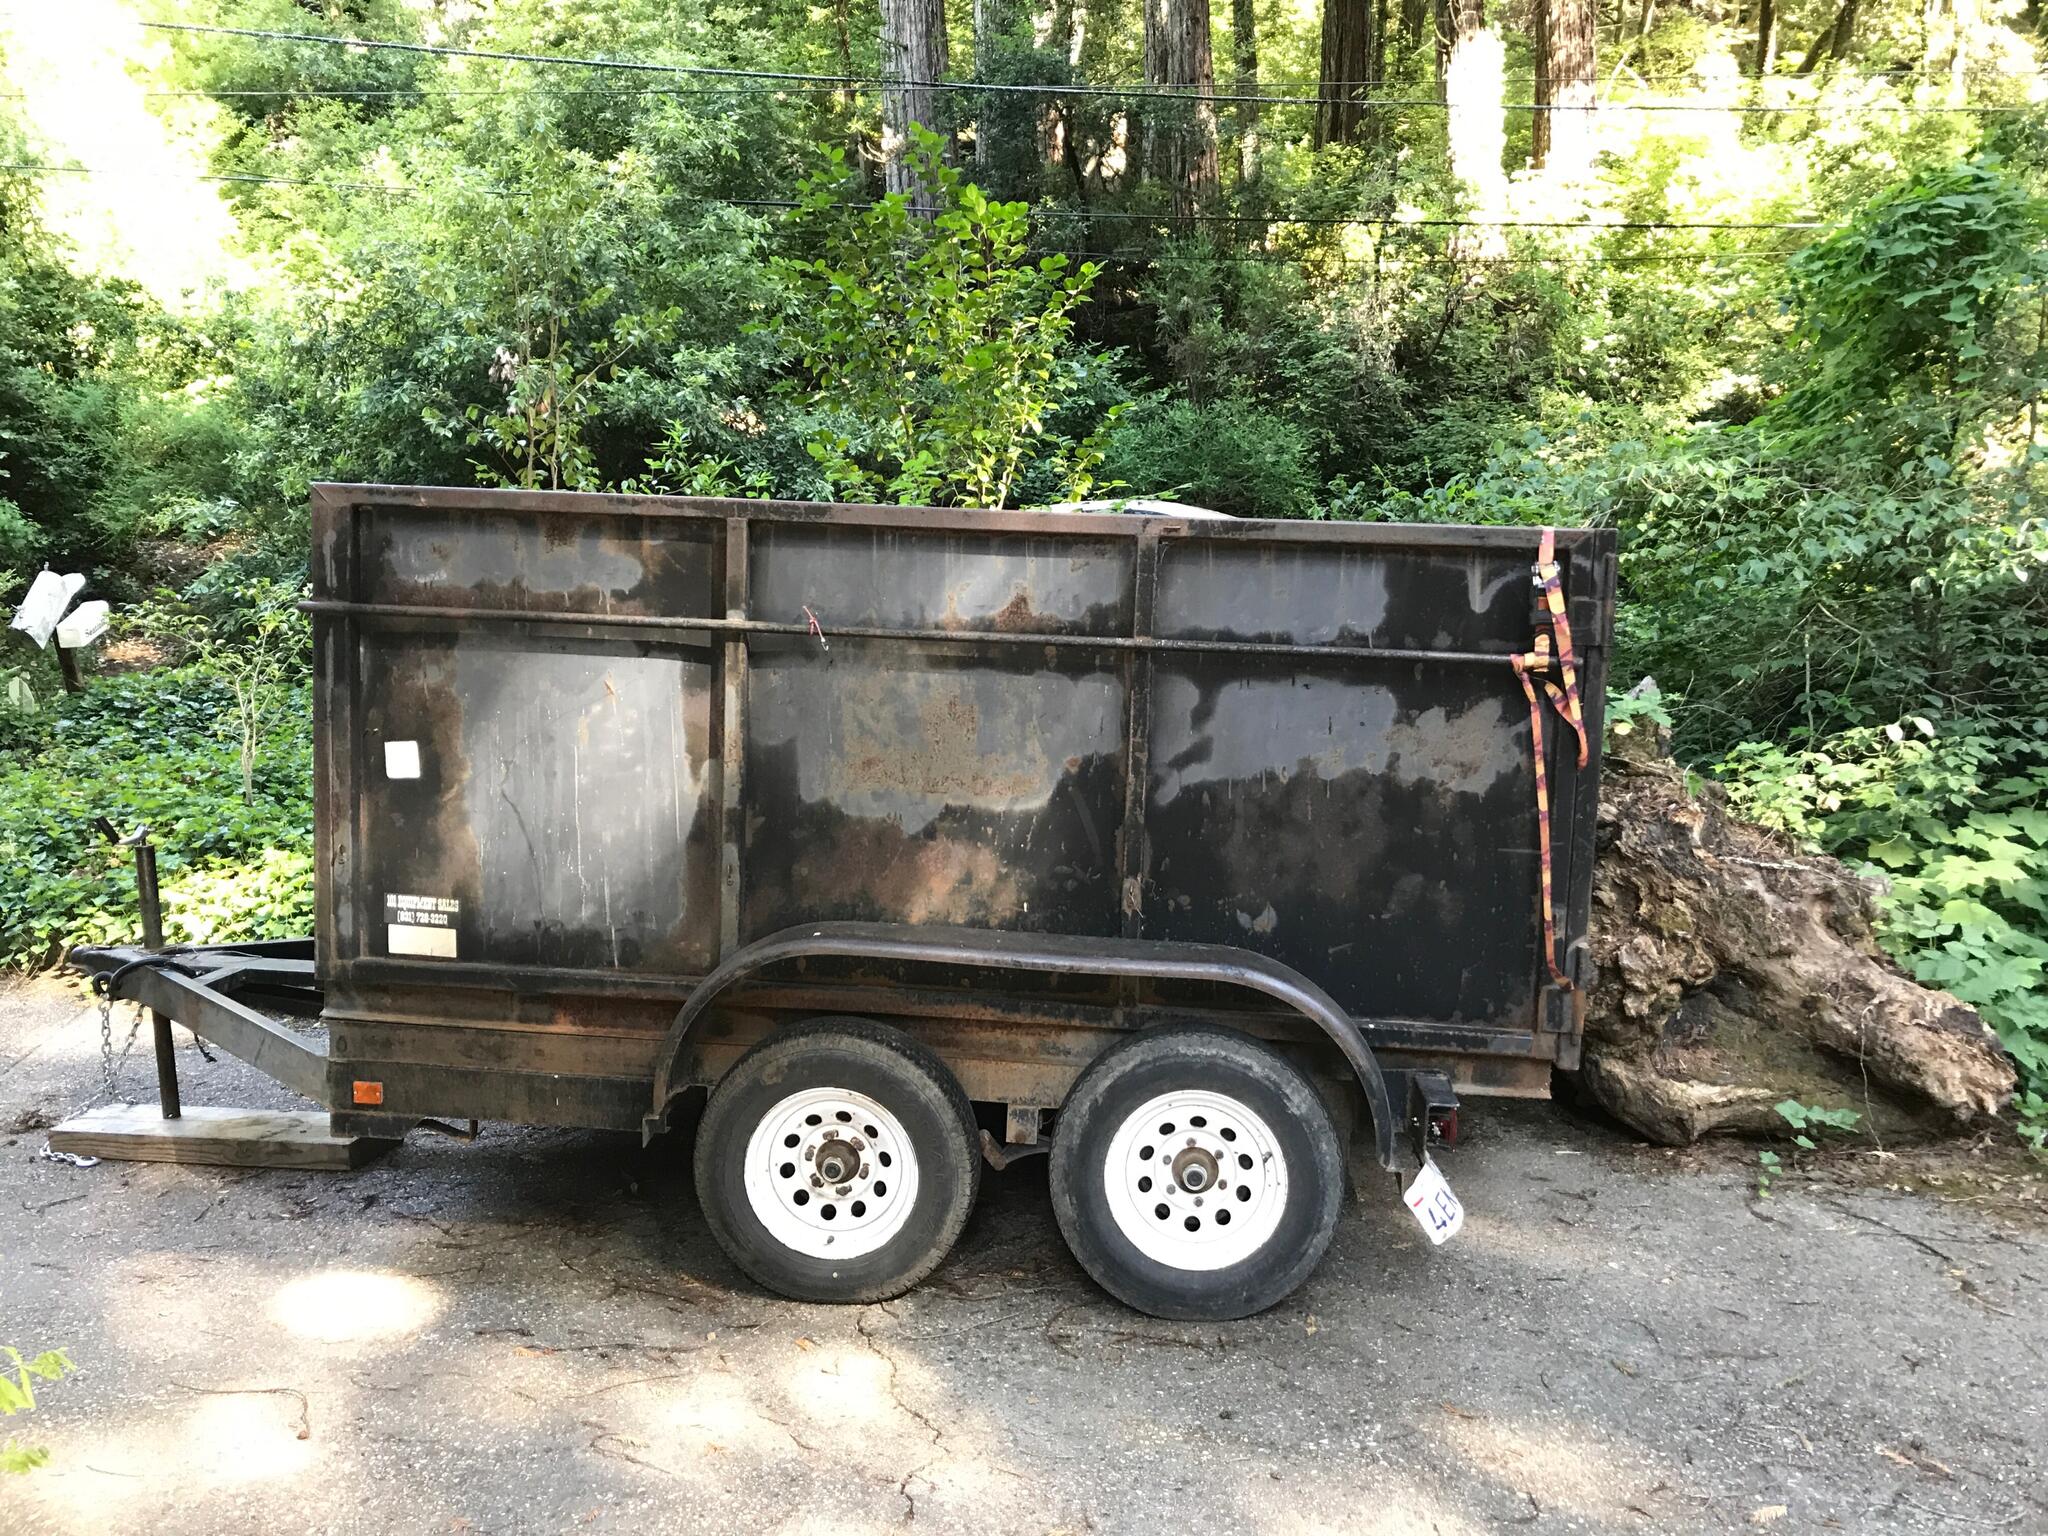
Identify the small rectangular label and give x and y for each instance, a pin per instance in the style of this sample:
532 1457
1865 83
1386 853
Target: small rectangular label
434 943
1436 1210
421 925
401 759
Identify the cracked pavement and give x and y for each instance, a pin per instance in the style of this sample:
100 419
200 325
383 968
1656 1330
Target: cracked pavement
535 1334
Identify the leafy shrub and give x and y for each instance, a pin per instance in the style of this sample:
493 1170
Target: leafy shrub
162 749
932 346
1231 455
1954 823
18 1395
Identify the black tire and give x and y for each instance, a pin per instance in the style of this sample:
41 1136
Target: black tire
896 1072
1134 1072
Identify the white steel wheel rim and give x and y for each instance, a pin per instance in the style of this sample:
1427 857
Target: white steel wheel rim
830 1173
1196 1180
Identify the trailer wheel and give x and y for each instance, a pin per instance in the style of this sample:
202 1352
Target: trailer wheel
836 1161
1195 1174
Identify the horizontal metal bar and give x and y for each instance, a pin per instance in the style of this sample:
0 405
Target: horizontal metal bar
925 636
1132 525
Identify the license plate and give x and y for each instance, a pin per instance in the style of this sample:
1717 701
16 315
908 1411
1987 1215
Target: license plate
1435 1208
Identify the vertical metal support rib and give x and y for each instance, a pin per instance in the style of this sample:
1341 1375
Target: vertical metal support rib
336 803
732 737
1131 851
1589 574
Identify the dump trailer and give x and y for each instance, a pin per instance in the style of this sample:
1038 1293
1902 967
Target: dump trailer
884 843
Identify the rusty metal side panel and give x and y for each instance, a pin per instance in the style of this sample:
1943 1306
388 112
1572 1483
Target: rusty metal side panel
564 800
1047 583
1369 825
592 562
1469 599
917 785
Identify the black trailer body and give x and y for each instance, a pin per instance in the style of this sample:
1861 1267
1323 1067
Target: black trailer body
611 789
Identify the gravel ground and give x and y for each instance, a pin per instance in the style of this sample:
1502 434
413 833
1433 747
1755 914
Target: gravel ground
535 1334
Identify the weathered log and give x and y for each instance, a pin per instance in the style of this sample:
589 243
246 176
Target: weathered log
1733 971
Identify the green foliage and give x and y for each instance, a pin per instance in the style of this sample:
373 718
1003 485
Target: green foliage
260 653
161 749
932 349
18 1395
1812 1117
1768 1166
1230 455
1916 326
1802 1119
1955 823
1642 704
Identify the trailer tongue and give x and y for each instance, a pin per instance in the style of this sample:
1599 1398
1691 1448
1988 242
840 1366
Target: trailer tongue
1177 847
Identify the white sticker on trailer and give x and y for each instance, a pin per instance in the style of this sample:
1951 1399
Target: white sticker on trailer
401 759
1435 1209
408 939
421 925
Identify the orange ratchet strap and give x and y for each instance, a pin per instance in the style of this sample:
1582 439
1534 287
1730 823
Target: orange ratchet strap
1537 662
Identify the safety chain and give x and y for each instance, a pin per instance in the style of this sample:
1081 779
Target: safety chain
110 1065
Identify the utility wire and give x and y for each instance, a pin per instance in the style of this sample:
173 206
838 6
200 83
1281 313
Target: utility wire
1143 93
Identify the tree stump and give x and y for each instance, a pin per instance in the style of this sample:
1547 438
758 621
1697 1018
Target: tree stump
1733 972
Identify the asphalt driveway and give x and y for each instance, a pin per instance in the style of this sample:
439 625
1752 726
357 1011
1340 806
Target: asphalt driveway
534 1333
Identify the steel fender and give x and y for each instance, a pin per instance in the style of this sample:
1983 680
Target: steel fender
1046 953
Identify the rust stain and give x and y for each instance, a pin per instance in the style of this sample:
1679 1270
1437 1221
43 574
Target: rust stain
871 866
1016 616
941 760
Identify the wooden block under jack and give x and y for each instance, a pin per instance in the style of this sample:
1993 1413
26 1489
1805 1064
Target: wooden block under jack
232 1138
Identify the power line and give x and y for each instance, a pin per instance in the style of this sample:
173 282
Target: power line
1352 220
1144 93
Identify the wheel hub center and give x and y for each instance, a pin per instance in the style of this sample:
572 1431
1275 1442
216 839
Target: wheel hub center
1194 1170
837 1161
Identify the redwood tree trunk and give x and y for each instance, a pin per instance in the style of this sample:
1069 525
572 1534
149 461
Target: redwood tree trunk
1834 42
1244 49
914 55
1180 134
988 22
1348 39
1566 69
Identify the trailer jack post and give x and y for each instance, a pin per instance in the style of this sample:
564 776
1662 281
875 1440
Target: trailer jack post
150 900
